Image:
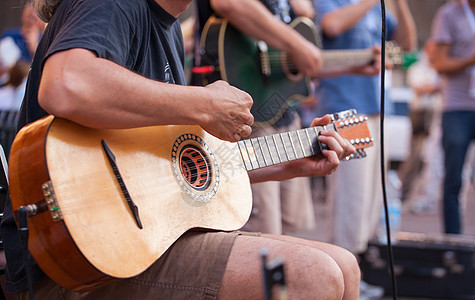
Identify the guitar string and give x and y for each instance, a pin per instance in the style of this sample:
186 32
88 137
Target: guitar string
277 60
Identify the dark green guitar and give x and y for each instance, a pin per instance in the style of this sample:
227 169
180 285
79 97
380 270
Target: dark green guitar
266 74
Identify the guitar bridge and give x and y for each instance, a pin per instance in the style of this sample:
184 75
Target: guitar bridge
51 201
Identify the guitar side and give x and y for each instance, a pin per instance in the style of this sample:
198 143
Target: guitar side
96 223
239 63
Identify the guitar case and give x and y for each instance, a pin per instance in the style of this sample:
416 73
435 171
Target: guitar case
432 266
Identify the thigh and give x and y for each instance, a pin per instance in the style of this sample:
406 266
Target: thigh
192 268
456 137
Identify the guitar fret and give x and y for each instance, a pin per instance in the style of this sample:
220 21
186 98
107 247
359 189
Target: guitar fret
319 149
287 154
301 143
264 151
292 153
309 141
245 155
270 150
297 151
257 151
282 140
252 154
277 148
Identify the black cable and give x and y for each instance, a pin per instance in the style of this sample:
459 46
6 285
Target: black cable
383 177
23 233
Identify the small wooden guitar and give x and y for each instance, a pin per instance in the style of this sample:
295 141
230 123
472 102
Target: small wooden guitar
106 204
268 75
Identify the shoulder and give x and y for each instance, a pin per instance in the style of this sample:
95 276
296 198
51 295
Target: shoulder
106 7
450 8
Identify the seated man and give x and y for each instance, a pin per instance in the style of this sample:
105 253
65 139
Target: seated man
119 64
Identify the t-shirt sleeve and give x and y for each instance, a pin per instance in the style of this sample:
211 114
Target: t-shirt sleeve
322 7
441 29
96 27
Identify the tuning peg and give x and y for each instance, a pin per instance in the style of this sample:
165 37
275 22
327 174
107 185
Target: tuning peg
360 153
345 114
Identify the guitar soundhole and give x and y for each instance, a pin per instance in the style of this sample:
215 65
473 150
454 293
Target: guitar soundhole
195 167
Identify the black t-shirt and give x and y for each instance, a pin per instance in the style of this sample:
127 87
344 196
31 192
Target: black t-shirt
136 34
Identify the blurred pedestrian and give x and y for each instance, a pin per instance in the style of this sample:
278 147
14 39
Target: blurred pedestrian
453 31
354 195
424 112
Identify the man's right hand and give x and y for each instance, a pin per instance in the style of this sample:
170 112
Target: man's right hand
228 112
307 58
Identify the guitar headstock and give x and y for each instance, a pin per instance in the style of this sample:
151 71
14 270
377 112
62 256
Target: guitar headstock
394 53
354 128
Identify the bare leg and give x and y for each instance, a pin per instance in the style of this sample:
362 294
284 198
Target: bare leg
313 269
345 260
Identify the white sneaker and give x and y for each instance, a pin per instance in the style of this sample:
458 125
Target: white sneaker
370 292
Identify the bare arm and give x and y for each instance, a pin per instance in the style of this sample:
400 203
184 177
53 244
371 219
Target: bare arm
97 93
345 18
262 25
406 33
338 21
303 8
447 65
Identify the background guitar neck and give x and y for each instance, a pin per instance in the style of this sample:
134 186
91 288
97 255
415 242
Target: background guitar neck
347 58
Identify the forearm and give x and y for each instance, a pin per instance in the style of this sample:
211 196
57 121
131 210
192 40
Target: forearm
303 8
100 94
406 32
445 64
273 173
345 18
260 24
449 66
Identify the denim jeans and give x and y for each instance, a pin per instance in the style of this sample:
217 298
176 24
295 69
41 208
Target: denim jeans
458 131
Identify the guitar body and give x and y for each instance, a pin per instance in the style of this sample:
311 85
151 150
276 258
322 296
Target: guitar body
240 62
85 234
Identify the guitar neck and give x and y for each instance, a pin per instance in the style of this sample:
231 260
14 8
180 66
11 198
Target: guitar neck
347 58
281 147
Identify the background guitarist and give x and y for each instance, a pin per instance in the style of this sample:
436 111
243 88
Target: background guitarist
353 24
119 64
284 206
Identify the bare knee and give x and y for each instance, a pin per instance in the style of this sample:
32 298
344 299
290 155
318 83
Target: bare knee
349 265
313 274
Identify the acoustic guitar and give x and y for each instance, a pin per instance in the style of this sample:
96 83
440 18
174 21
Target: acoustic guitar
106 204
268 75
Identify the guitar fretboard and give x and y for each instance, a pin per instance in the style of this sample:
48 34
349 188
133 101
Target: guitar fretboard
281 147
342 58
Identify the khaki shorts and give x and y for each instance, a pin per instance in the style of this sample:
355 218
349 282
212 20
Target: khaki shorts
191 269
